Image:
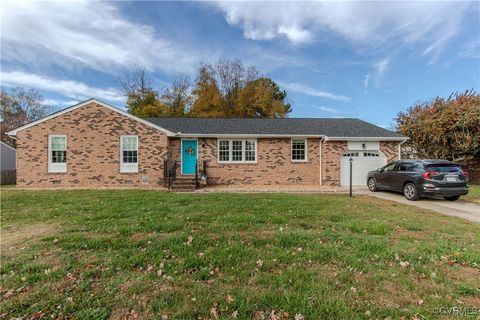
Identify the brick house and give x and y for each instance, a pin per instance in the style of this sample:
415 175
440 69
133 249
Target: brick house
95 145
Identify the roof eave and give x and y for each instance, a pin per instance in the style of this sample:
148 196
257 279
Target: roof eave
13 132
249 135
366 138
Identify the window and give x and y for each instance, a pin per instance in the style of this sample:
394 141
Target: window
350 154
129 154
443 167
249 150
389 167
370 154
237 151
57 153
224 150
299 150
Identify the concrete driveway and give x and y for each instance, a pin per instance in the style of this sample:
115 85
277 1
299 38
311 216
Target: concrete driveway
459 208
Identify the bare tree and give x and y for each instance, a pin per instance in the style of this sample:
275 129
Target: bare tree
142 99
232 76
18 107
178 98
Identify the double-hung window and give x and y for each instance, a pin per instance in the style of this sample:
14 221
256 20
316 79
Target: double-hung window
237 151
57 153
299 150
129 154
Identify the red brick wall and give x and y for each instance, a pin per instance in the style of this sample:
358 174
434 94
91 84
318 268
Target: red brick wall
331 153
93 155
273 162
390 150
93 151
273 167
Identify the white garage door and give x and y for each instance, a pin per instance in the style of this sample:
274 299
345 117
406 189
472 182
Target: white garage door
363 161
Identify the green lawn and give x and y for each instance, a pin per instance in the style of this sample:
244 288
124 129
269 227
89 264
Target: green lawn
473 193
147 254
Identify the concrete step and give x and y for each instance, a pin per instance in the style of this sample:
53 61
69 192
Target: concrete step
183 184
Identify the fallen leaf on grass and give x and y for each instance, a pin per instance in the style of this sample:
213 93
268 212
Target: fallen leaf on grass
229 299
214 313
404 264
37 315
299 316
133 314
8 294
273 316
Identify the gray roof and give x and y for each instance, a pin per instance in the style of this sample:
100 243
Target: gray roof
331 127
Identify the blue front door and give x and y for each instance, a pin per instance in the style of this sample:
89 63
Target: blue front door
189 156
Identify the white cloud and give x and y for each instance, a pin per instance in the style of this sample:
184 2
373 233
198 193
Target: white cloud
60 103
470 50
381 67
375 24
365 81
68 88
306 89
327 109
89 33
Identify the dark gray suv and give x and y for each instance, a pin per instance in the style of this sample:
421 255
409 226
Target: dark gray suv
418 178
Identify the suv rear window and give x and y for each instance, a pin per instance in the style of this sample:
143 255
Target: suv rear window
447 167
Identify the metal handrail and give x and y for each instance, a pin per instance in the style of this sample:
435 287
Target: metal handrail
197 184
169 171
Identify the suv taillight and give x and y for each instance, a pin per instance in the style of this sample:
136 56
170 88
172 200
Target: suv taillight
465 173
429 174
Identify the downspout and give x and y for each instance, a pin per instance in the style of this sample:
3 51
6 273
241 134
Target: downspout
400 149
321 160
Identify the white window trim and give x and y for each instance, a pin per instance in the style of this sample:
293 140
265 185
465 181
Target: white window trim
306 150
56 167
230 151
128 167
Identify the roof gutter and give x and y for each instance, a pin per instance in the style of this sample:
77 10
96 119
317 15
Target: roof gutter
202 135
365 138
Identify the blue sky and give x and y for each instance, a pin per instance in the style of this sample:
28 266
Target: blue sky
335 59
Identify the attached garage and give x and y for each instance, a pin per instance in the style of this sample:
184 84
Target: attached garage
366 157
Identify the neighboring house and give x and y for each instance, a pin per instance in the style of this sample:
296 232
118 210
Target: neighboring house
8 155
7 164
94 145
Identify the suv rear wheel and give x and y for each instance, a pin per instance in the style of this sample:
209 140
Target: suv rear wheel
452 198
372 185
410 192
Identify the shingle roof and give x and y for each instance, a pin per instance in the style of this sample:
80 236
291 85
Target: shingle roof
331 127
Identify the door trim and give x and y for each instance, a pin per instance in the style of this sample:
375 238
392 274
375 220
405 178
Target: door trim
181 155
